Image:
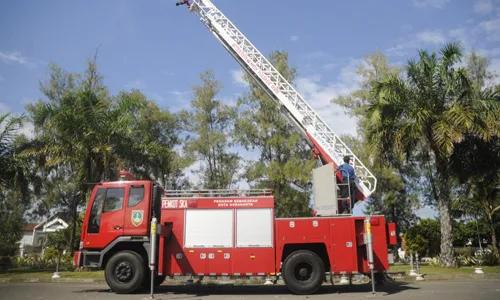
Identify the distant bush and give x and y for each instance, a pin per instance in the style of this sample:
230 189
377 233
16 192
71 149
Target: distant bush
435 261
48 262
467 251
469 257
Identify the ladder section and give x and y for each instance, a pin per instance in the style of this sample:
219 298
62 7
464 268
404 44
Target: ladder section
309 123
217 193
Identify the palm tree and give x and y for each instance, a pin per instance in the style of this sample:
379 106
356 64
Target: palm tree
75 129
8 128
425 113
476 164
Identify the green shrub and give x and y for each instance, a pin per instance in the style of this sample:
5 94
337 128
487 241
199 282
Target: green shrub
435 261
488 259
467 251
46 263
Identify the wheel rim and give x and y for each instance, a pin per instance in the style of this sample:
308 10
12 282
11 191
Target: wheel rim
303 272
124 272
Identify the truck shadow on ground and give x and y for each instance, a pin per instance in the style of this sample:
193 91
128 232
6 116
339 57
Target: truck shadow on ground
229 289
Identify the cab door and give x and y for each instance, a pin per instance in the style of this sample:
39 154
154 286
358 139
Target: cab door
106 217
137 212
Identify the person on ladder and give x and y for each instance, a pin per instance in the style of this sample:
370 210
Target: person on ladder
348 187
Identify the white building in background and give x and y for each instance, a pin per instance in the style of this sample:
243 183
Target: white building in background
33 239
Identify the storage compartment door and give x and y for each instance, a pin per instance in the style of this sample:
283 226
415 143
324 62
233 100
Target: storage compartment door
344 246
254 253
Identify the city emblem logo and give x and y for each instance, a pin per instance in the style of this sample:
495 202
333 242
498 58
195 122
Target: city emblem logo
137 217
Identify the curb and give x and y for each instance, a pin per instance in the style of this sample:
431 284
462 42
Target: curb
435 277
48 280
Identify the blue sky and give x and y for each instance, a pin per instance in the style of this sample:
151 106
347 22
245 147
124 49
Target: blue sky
161 49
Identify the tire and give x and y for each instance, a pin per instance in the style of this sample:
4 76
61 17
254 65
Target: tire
303 272
146 283
159 279
125 272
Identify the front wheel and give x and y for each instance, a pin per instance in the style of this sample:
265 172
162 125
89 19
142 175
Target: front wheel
303 272
125 272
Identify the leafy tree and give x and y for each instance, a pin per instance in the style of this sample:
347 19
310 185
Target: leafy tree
60 241
415 241
211 125
11 223
146 149
14 185
424 114
84 136
397 187
74 129
430 230
15 173
479 74
285 163
477 166
375 68
476 162
471 231
60 195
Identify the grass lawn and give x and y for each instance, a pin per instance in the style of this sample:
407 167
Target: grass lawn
429 270
20 273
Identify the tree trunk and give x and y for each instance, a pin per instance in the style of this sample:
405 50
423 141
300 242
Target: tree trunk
493 236
58 260
73 224
444 202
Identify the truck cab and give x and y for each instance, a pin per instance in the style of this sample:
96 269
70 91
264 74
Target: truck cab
117 219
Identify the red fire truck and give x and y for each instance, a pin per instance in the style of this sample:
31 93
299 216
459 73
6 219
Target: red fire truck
220 233
131 226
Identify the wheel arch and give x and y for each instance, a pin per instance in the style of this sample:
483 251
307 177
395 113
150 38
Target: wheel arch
317 248
141 247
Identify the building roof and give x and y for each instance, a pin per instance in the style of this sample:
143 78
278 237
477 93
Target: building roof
29 227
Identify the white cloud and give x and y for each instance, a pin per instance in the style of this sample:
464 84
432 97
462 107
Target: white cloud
13 57
410 44
28 130
179 101
4 108
319 96
491 28
490 52
400 49
495 68
135 84
238 77
430 3
469 21
483 6
1 79
431 37
294 38
462 35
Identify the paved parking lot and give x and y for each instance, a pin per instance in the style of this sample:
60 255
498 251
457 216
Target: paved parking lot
442 290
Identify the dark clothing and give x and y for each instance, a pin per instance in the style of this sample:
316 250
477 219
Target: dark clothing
347 171
347 188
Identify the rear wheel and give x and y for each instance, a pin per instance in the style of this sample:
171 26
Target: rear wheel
125 272
146 283
303 272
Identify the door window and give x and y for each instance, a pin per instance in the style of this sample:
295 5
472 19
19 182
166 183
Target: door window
95 213
136 195
114 199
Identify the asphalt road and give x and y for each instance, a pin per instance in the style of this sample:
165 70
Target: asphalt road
442 290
